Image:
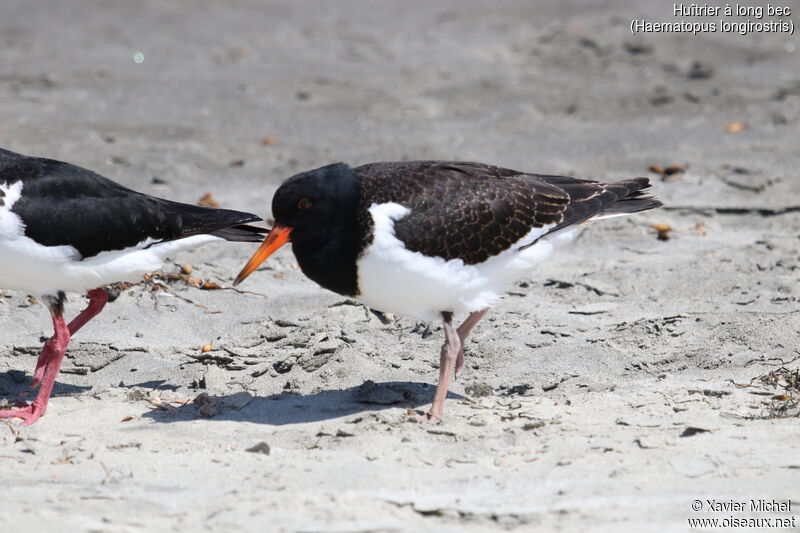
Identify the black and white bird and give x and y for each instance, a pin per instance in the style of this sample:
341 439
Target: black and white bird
66 229
431 239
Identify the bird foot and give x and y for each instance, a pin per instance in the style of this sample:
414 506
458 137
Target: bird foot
424 418
459 365
28 414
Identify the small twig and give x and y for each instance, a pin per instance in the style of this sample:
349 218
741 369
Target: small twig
164 403
10 426
240 291
778 359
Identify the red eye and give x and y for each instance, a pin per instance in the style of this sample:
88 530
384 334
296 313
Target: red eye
304 203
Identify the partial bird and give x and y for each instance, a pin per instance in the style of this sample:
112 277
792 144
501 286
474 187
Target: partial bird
64 228
432 239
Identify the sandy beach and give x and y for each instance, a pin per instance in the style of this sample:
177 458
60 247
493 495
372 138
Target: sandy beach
626 378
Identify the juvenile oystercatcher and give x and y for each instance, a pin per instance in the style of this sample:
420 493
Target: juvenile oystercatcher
64 228
430 239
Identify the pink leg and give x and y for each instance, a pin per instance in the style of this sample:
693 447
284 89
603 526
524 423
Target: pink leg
97 301
98 298
45 358
58 346
463 332
450 349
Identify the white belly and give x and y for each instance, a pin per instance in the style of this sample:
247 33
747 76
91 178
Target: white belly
396 280
28 266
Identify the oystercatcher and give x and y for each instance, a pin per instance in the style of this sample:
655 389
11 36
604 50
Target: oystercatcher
430 239
65 228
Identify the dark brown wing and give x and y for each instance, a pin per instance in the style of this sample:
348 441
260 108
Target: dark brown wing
473 211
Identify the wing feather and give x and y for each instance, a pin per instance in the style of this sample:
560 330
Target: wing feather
472 211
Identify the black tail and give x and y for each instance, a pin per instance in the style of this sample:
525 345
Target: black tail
590 199
633 202
224 223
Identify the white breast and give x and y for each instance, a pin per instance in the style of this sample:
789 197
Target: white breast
10 223
396 280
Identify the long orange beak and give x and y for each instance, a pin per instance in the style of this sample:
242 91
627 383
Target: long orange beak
276 238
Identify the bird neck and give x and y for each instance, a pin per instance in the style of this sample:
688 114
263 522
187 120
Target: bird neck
327 254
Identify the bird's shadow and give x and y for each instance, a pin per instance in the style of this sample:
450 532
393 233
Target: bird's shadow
15 385
291 408
154 384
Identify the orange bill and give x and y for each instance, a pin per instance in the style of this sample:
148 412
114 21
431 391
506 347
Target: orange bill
276 238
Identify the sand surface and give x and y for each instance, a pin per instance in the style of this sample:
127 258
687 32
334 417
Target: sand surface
622 381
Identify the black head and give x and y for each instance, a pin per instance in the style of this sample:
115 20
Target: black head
309 210
315 197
